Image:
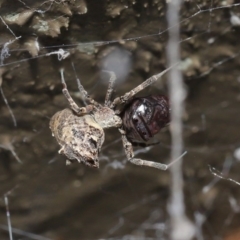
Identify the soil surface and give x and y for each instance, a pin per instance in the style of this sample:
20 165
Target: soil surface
119 200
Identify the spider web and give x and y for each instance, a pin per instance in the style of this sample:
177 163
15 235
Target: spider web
48 200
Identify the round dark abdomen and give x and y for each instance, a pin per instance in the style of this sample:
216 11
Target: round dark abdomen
144 117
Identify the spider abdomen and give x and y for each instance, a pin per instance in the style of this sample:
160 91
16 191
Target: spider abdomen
80 137
144 117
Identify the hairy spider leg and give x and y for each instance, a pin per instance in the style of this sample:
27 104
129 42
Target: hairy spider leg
73 105
140 162
111 83
137 161
83 92
146 83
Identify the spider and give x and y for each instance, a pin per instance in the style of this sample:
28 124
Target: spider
143 117
80 130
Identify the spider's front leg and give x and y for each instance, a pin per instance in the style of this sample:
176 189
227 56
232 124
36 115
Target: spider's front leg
73 105
111 83
146 83
83 92
137 161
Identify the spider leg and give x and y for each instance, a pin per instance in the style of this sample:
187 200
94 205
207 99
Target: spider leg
83 92
140 162
111 83
73 105
146 83
137 161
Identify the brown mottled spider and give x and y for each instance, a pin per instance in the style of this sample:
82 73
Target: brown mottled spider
79 130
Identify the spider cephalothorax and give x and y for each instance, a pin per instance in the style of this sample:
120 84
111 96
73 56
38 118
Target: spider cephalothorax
79 130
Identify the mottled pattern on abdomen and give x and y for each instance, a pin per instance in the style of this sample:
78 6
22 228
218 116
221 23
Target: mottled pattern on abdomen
80 137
